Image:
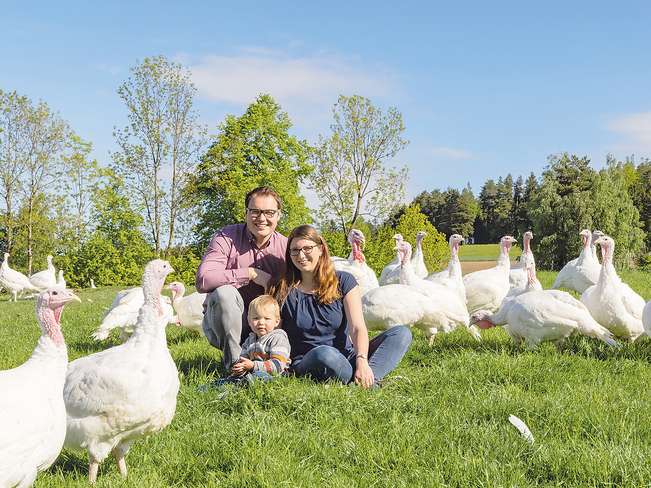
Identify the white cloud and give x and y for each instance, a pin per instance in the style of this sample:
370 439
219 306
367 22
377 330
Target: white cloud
305 86
636 129
451 153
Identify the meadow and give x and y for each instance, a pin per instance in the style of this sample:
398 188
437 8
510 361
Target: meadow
439 420
485 252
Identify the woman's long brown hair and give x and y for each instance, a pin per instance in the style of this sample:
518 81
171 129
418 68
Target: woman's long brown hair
324 273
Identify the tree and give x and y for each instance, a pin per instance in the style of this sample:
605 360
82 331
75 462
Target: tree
14 110
251 150
561 207
615 213
467 213
640 192
79 180
351 177
487 218
116 251
44 139
159 145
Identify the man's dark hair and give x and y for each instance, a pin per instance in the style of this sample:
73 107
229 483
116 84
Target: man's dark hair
265 191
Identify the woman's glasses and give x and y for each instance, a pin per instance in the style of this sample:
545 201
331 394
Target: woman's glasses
307 250
256 212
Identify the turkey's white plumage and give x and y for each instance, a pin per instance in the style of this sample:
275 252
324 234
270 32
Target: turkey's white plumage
445 311
32 412
518 274
356 263
611 302
123 313
391 272
646 318
13 280
582 272
486 289
45 279
118 395
452 276
418 259
189 309
400 304
538 315
61 281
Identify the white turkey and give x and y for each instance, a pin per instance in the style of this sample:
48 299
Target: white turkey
646 318
596 234
452 276
61 281
582 272
399 304
123 313
518 274
447 309
611 302
356 263
13 280
45 279
121 394
32 412
189 309
391 272
486 289
418 259
544 315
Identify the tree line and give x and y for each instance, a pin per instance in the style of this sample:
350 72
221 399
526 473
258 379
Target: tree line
569 195
169 185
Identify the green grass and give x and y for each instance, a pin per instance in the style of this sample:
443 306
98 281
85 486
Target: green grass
440 420
484 252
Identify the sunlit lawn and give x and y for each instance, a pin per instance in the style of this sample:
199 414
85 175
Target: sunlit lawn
485 252
440 419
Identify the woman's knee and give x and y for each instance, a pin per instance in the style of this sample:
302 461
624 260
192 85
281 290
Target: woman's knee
325 362
326 356
400 336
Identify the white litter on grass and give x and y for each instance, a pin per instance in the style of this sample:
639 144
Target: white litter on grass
89 300
522 428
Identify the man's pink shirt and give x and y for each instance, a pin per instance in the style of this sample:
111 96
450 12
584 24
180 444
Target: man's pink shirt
231 252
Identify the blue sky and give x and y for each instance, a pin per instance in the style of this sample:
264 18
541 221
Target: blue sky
484 89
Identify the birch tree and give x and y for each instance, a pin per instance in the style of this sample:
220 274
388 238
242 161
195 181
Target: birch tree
13 146
352 177
46 136
158 147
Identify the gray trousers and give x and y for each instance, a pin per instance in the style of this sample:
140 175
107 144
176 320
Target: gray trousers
222 322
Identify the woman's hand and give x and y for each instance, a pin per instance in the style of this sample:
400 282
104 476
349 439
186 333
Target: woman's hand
363 374
241 367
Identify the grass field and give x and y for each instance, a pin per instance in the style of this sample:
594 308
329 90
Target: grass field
485 252
440 419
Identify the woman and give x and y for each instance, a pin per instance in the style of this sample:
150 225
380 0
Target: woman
321 311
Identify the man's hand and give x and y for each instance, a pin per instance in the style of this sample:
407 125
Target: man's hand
260 277
241 367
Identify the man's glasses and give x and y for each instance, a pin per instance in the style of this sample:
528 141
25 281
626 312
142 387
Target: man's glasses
306 250
256 212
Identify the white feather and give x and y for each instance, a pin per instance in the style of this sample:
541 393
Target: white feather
522 428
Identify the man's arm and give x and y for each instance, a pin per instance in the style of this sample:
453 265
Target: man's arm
212 272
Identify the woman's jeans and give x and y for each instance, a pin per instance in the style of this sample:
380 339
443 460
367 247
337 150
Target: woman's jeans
384 353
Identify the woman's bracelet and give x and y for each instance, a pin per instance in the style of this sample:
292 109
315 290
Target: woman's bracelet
362 356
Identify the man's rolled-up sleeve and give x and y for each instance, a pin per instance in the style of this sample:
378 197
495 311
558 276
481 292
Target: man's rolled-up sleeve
212 272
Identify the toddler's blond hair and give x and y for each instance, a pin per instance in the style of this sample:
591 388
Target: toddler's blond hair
261 302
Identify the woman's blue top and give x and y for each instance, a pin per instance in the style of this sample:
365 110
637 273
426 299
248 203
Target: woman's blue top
309 323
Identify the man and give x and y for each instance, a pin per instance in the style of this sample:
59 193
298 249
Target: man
240 261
